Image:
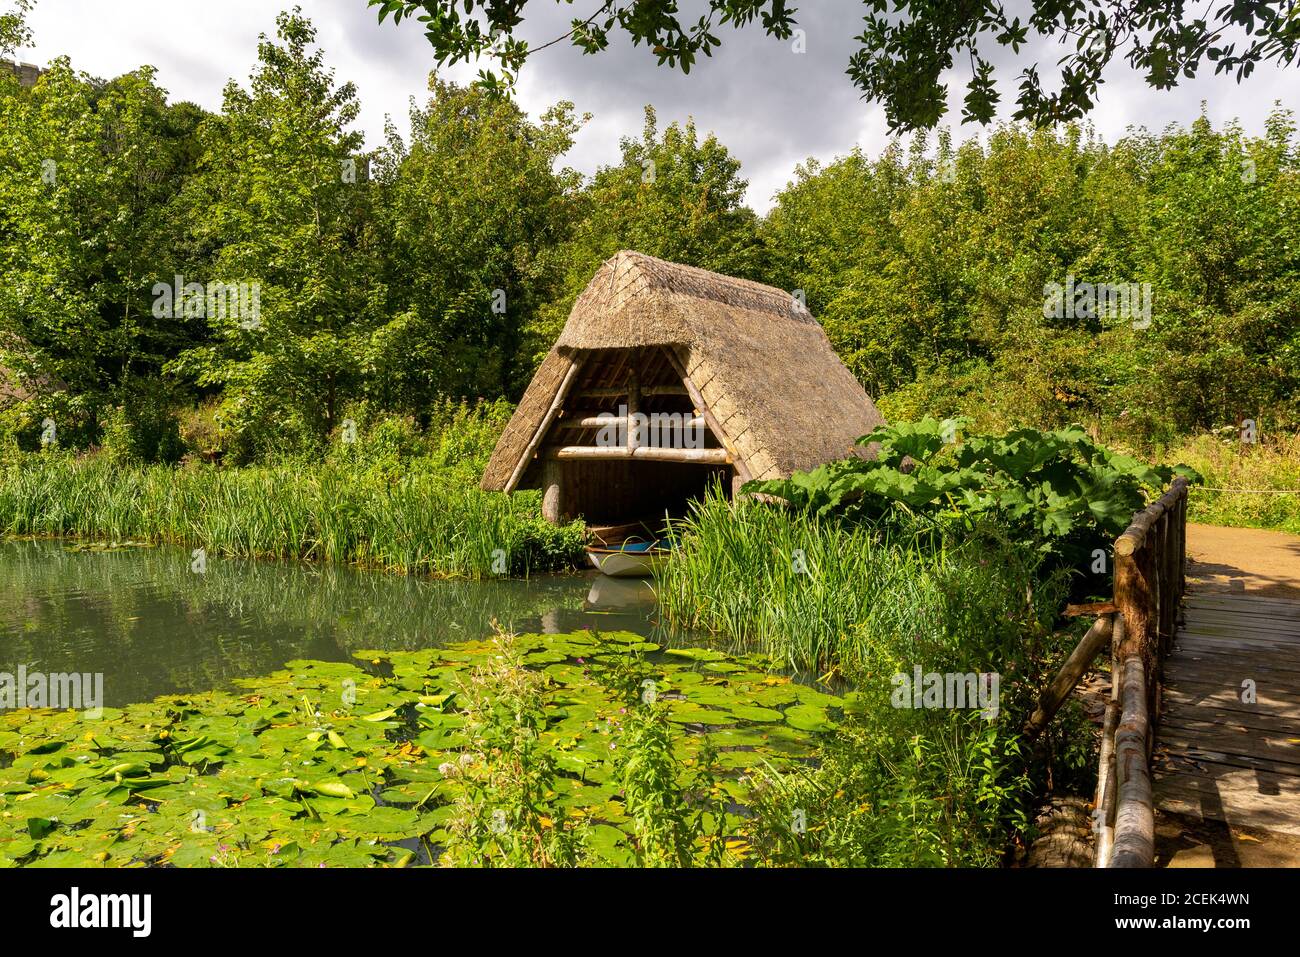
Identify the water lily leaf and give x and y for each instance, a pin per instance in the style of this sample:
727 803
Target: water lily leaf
696 654
755 713
808 717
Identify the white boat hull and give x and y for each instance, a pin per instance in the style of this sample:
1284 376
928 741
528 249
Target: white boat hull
618 564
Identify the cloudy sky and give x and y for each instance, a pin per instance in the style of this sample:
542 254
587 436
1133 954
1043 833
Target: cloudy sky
771 106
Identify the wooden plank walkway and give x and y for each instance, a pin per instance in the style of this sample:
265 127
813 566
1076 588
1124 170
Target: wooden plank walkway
1222 753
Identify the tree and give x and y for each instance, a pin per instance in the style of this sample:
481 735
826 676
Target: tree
283 202
673 195
14 32
474 213
907 45
88 175
932 274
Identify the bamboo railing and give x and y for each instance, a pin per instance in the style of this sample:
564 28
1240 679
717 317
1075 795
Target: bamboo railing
1150 575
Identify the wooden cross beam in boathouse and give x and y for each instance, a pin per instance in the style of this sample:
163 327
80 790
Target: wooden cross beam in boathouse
668 379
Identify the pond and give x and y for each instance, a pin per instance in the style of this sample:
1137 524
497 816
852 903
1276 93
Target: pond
148 622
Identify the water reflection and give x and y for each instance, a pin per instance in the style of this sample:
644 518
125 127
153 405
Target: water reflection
153 626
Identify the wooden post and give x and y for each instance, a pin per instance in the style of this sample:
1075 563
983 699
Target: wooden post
1104 803
1183 556
553 504
1135 811
1171 587
1133 596
633 410
1160 574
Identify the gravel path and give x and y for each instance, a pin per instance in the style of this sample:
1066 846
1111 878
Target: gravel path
1243 559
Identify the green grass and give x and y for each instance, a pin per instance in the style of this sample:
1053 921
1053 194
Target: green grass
424 523
1270 469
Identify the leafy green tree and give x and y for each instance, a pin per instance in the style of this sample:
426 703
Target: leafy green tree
930 273
474 212
283 200
14 32
907 45
673 195
88 175
1219 229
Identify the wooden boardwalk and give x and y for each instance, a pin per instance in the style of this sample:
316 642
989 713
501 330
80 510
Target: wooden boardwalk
1228 740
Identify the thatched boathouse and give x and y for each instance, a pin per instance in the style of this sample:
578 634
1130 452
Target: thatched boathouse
667 378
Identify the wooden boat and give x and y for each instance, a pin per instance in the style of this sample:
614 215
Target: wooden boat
628 560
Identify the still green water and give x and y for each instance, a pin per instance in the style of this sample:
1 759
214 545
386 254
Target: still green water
151 625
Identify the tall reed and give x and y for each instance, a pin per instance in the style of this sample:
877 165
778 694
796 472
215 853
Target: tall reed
819 595
942 784
424 523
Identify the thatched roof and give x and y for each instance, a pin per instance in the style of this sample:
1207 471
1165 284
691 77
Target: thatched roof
760 361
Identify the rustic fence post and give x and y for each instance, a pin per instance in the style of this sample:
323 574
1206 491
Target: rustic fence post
1135 811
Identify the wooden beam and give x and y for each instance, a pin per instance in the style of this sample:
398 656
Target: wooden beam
1074 668
643 453
1135 824
1089 609
556 404
598 420
1135 535
618 392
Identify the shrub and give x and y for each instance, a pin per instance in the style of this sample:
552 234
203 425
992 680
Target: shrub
896 789
201 432
466 434
1059 489
1269 469
143 429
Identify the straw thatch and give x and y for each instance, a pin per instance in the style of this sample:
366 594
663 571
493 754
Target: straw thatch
771 382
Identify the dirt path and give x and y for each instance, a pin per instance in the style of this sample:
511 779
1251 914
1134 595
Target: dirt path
1243 559
1255 562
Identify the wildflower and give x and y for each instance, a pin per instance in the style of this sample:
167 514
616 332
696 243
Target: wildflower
446 768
